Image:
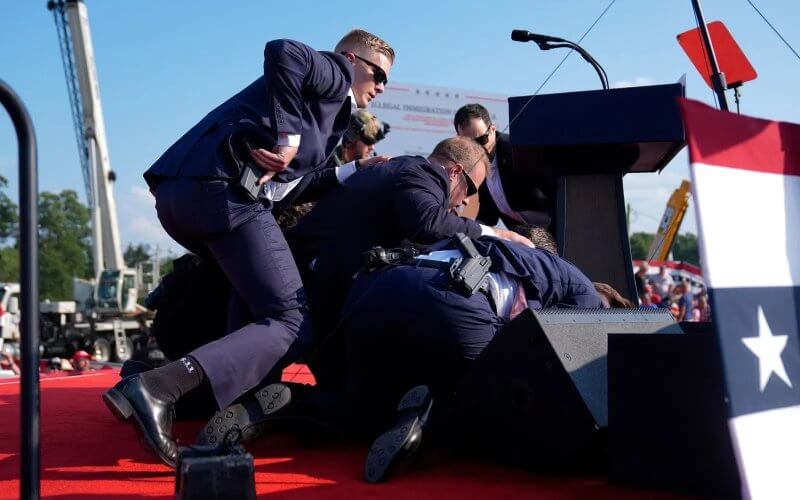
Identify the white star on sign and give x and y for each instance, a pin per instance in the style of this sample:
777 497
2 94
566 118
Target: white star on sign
768 349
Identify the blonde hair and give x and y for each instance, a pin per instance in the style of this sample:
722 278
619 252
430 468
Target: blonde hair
358 40
462 150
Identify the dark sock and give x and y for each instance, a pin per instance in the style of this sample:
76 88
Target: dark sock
172 381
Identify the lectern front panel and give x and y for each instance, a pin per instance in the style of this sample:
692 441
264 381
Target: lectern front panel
592 232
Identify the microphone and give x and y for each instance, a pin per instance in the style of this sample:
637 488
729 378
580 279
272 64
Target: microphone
527 36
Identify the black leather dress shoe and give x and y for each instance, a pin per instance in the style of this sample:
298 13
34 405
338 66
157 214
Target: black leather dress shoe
153 417
249 415
403 439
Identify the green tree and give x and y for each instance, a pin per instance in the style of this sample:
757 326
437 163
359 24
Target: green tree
135 255
9 265
9 220
64 244
685 249
640 245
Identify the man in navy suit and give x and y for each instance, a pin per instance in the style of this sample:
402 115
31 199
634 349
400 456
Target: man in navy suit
510 194
407 326
287 122
407 198
424 316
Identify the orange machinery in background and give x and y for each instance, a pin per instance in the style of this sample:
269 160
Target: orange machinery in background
670 222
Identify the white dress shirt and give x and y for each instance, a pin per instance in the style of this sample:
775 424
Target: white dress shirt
276 191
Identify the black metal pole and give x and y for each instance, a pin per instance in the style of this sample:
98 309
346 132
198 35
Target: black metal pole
29 294
717 77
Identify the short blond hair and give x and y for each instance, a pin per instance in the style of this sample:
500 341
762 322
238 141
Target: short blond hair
358 40
463 150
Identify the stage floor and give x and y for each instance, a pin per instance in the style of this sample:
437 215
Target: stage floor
86 453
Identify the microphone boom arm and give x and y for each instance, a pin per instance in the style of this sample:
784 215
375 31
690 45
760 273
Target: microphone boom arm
585 55
547 42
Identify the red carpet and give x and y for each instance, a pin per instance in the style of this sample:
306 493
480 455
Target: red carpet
86 453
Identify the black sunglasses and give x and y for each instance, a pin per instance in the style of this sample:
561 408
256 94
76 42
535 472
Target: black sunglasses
378 74
483 139
471 187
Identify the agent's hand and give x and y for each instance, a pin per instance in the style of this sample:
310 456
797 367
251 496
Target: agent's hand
505 234
375 160
273 161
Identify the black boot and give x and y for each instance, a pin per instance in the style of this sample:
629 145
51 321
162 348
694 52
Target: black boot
403 439
249 415
153 417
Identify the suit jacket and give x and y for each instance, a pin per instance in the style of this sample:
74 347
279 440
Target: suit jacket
405 198
548 280
312 187
301 92
532 196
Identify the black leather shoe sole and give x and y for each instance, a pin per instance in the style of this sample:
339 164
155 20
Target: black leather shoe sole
123 410
247 416
401 440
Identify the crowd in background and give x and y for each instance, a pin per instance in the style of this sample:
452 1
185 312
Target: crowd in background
661 290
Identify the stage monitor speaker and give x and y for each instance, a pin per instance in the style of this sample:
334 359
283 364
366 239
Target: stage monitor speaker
537 395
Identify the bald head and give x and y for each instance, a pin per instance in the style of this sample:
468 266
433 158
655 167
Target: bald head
466 165
464 151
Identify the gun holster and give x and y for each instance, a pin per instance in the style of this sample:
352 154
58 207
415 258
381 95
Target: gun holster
467 273
240 144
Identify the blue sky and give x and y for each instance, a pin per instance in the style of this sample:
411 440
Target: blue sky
163 65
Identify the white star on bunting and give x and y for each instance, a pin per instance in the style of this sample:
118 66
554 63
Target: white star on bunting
768 349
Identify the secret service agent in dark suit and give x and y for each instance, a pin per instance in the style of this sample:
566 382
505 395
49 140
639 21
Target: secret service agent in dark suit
407 198
510 195
425 317
408 326
302 101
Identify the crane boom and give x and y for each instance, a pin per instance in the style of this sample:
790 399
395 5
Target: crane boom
670 222
116 287
72 23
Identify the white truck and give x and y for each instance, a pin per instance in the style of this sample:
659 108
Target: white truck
9 314
65 328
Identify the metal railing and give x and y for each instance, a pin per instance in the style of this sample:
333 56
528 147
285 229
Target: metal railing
29 295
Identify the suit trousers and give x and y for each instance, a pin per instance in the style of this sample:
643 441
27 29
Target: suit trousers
268 325
405 326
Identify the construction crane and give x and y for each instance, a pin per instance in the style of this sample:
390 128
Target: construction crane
116 286
670 223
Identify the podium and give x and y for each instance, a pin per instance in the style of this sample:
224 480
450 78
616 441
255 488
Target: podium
588 141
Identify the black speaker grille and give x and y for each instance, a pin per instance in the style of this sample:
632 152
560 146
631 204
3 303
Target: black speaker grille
594 316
